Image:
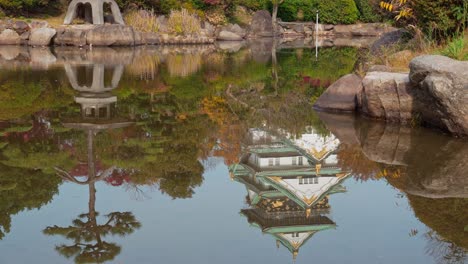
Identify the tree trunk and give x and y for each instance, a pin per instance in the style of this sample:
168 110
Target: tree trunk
274 17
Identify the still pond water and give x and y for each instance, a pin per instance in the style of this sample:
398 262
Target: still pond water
203 155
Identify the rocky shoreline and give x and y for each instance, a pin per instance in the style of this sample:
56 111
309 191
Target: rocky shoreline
434 93
39 33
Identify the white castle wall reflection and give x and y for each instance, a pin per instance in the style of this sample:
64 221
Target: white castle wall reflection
288 181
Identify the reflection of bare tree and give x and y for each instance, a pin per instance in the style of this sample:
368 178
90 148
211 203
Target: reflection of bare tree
274 67
444 251
87 234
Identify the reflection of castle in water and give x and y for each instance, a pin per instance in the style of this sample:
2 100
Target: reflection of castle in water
288 185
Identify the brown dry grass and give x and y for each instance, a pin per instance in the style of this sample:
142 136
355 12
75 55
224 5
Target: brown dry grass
398 57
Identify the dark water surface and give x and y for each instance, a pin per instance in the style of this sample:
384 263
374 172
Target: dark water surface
214 155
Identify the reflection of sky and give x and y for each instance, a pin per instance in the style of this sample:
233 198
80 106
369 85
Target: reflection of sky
372 228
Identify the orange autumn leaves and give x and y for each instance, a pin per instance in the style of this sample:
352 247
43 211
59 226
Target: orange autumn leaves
229 129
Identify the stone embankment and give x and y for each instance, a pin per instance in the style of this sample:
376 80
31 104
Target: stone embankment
433 93
39 33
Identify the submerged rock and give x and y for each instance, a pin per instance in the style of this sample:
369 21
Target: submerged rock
342 96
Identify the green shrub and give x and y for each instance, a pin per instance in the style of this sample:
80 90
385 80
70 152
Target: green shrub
19 7
368 10
338 12
254 4
290 10
438 18
455 49
331 12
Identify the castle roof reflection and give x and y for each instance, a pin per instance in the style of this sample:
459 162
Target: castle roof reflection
287 186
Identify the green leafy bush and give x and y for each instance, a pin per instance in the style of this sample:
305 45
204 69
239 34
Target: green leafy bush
19 7
338 12
296 10
438 18
331 12
367 10
254 4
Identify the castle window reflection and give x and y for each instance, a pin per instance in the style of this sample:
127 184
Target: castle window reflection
287 198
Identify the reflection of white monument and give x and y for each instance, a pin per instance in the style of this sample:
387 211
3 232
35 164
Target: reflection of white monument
93 11
90 80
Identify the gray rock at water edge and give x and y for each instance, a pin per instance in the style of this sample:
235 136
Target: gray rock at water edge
208 29
235 28
150 38
42 36
379 68
228 36
388 96
9 37
25 38
71 37
111 35
341 96
442 92
261 25
20 27
38 24
388 39
368 29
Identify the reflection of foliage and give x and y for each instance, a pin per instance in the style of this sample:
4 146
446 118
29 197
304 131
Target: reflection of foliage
23 92
86 230
22 189
445 251
229 129
351 158
299 69
165 146
183 65
447 217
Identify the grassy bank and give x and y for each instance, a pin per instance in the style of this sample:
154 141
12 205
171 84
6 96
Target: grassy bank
399 56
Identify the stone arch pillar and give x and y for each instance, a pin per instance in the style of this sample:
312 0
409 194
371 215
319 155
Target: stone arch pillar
97 85
97 11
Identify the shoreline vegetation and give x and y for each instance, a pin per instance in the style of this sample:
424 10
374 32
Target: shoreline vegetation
405 31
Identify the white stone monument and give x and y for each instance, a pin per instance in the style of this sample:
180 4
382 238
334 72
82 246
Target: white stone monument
93 11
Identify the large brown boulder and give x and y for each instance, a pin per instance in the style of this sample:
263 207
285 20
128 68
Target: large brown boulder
111 35
442 85
42 36
342 96
20 26
261 25
71 36
387 96
9 37
225 35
